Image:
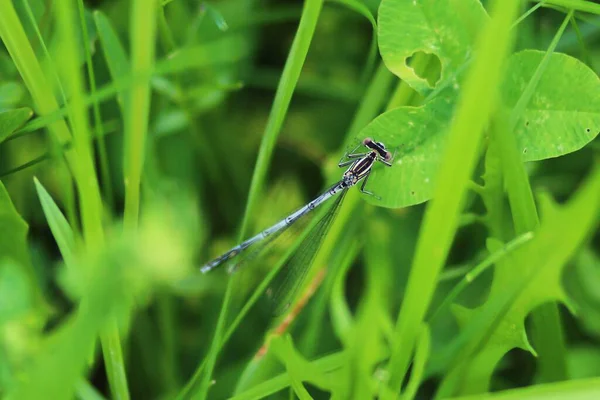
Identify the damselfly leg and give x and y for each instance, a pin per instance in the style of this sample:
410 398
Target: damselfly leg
362 188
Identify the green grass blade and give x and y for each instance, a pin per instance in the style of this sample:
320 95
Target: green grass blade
87 183
441 219
576 5
422 353
143 33
61 230
85 175
547 334
115 56
11 120
283 96
479 269
104 168
14 38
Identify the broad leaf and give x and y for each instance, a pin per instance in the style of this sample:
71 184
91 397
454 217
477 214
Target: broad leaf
446 28
416 135
562 116
564 112
524 280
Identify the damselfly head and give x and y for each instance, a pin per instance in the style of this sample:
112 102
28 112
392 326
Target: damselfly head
379 147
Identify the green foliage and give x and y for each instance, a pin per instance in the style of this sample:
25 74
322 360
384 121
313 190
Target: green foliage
139 139
562 115
58 224
447 29
11 120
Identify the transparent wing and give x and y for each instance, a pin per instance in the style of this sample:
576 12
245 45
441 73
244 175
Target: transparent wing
249 254
293 273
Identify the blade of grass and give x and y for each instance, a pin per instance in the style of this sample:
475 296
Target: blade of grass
200 56
441 219
471 275
61 230
576 5
87 183
14 38
283 96
109 127
370 106
547 333
585 53
208 158
115 57
57 149
281 103
79 157
85 176
104 171
282 381
143 32
421 355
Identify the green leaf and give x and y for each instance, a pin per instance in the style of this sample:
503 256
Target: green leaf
416 135
324 365
114 53
16 294
364 341
563 114
21 304
562 117
11 94
61 230
56 52
513 296
446 28
21 321
441 220
109 282
421 355
13 235
12 120
583 286
298 368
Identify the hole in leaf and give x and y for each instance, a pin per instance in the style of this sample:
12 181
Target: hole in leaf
588 130
412 193
426 66
516 366
526 123
525 150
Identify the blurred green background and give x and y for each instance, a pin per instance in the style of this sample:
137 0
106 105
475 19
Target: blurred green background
217 93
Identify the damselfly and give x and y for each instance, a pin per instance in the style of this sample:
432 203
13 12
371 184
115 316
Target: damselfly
360 168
